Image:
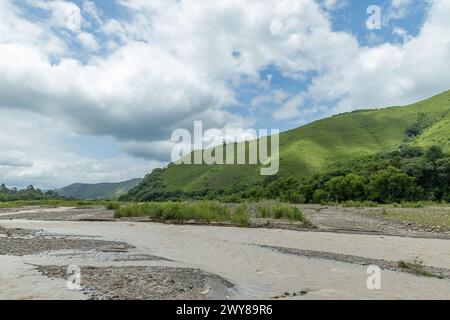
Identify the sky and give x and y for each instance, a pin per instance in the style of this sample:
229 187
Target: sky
91 90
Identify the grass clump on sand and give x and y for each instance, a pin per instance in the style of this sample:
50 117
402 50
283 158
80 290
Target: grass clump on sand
202 211
112 206
282 212
241 217
415 266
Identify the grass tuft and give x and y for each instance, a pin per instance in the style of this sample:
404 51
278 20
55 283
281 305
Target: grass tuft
415 266
112 206
282 212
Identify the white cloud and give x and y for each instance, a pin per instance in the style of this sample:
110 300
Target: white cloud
398 9
401 3
392 74
179 61
402 34
64 14
290 110
14 158
17 30
88 41
90 9
44 152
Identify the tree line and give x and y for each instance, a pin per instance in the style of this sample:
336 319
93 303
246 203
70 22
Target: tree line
408 173
29 193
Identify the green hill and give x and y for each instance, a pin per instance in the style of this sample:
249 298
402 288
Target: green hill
314 147
97 191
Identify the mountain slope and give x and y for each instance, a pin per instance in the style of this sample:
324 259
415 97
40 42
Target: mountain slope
98 191
313 147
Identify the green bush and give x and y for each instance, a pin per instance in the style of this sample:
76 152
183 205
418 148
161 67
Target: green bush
392 185
281 211
320 196
350 186
112 206
240 216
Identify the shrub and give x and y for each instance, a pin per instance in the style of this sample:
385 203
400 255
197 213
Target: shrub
351 186
280 211
240 216
320 196
113 206
415 266
392 185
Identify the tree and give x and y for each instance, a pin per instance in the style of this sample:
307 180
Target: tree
320 196
392 185
434 153
349 187
283 188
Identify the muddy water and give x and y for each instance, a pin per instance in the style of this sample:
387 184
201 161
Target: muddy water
257 272
21 281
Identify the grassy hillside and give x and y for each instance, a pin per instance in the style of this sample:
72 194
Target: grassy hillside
97 191
311 148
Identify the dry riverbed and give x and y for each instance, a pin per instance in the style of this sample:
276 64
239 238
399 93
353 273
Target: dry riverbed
137 260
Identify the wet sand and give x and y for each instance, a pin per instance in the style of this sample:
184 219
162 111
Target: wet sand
225 262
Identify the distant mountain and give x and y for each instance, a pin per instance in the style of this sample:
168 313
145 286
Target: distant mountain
86 191
310 149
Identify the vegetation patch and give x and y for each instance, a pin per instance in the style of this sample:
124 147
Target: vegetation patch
212 211
406 176
202 211
415 266
113 206
28 194
282 212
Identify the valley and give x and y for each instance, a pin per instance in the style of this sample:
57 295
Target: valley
131 259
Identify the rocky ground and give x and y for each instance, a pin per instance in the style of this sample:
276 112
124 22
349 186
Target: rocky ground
360 220
145 282
19 242
112 282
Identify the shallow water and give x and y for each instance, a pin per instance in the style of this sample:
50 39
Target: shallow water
260 273
21 281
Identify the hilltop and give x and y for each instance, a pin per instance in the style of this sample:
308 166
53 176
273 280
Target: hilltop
313 148
86 191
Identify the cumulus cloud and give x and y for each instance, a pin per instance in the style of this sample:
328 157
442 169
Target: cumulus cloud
91 11
64 14
391 74
44 152
136 79
14 159
290 110
88 41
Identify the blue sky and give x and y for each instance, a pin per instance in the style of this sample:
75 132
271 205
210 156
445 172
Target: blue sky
349 17
103 84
